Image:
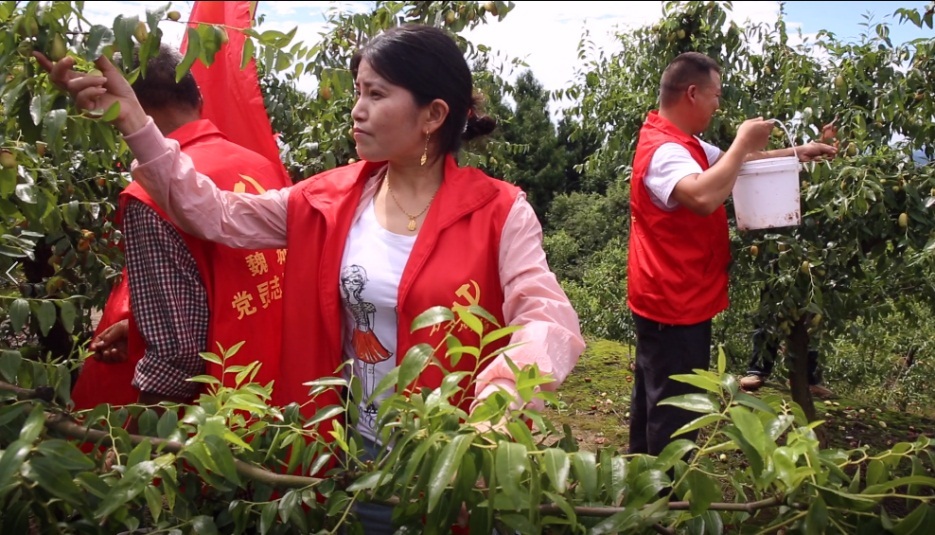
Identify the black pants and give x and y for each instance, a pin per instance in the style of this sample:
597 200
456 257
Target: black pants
661 351
764 356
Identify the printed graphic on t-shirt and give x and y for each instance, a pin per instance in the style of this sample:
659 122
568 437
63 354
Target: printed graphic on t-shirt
366 346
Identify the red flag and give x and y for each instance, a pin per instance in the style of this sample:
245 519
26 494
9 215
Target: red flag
232 99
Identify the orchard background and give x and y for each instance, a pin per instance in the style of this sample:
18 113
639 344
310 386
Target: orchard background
854 281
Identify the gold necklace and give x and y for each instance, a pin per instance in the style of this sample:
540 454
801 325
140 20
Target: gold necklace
412 218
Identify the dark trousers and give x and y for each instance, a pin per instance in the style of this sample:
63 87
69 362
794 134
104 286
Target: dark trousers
661 351
765 351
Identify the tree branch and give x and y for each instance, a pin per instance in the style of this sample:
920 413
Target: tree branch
66 425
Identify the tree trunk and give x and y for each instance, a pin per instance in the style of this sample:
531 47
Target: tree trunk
797 347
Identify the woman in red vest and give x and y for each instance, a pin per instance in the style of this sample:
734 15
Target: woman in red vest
406 229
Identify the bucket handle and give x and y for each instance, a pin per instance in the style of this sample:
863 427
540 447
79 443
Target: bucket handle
788 135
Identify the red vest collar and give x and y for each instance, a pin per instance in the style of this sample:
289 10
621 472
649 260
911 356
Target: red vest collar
461 192
194 131
654 121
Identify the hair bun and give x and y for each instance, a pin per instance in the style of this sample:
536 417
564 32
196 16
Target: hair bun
478 125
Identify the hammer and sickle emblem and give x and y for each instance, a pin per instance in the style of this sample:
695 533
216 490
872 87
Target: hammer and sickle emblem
465 293
240 187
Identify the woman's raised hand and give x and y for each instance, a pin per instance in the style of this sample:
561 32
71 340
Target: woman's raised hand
96 92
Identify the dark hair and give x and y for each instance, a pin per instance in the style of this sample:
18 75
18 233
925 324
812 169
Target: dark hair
158 89
689 68
426 61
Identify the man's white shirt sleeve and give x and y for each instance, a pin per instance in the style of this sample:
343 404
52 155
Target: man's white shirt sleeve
670 163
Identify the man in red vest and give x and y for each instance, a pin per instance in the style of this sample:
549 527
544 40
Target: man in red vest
679 246
186 295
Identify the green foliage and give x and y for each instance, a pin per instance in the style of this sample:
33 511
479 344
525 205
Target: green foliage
867 226
540 167
232 464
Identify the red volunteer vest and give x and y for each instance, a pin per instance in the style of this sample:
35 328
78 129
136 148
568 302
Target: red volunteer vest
678 260
455 260
244 287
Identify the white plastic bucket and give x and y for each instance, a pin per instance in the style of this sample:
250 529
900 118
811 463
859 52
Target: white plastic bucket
766 193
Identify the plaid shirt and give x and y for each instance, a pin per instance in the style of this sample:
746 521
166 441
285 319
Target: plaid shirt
168 301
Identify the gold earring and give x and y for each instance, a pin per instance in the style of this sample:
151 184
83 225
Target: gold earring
425 153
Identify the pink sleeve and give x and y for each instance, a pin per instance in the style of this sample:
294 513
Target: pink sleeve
551 335
195 204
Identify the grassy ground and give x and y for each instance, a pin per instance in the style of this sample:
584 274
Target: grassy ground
596 398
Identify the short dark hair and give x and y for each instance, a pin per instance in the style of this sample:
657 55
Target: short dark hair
689 68
158 89
426 61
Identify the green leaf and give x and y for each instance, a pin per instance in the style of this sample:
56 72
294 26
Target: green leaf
445 467
204 525
704 491
147 423
45 315
693 402
19 314
753 402
366 482
473 322
626 521
124 28
268 516
168 423
816 520
512 464
52 126
613 475
8 413
699 422
224 460
646 487
248 49
68 315
233 350
673 453
97 39
111 113
36 107
519 523
386 383
327 413
433 316
876 472
502 332
153 501
699 381
585 466
140 453
557 467
53 479
27 193
915 522
65 455
413 363
10 462
751 427
563 504
192 52
10 362
886 486
34 425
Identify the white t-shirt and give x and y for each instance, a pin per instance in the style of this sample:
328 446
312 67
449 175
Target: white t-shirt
672 162
373 263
